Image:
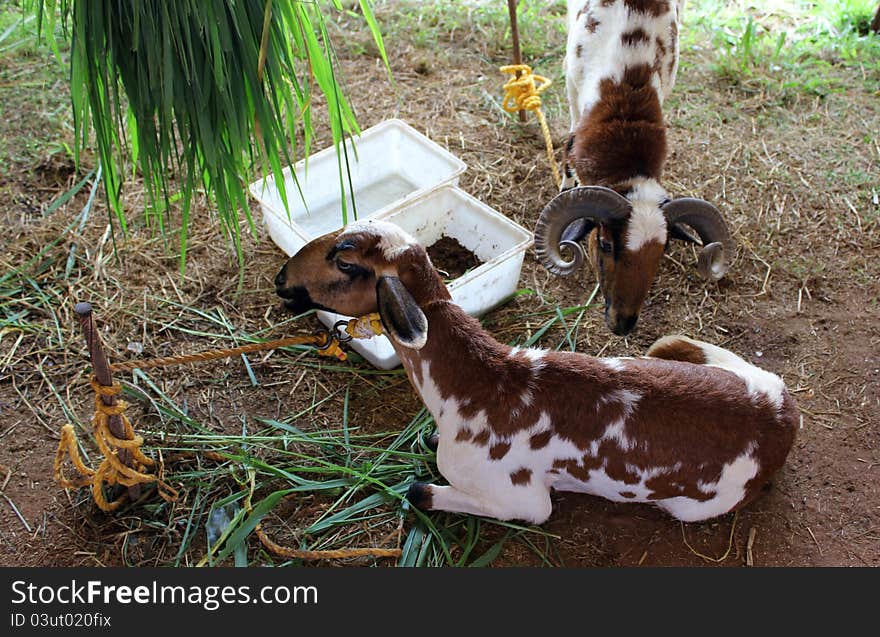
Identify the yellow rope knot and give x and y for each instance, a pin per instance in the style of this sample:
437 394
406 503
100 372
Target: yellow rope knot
111 470
522 94
366 326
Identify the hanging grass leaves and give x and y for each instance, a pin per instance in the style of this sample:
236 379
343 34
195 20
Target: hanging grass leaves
198 93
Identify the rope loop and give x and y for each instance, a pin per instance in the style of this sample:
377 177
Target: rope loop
522 94
112 470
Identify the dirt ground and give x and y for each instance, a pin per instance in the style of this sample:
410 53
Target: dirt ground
796 178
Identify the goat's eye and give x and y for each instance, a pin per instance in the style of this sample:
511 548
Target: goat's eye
605 245
344 266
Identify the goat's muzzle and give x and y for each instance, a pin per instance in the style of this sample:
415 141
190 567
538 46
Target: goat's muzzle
297 299
622 325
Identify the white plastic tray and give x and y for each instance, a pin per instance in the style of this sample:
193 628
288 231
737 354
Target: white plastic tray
496 240
390 163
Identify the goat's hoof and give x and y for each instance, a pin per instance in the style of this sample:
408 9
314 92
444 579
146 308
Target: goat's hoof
432 442
419 495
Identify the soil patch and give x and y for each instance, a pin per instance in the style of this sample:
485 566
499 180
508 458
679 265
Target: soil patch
449 256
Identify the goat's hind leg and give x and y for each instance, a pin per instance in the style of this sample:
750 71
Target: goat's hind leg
532 505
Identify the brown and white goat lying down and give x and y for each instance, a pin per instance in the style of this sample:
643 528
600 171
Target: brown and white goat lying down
620 64
691 427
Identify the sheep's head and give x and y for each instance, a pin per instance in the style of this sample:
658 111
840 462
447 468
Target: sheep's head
365 267
626 239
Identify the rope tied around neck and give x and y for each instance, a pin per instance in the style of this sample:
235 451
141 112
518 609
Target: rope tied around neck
522 94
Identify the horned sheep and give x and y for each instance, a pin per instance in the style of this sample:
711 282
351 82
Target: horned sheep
620 64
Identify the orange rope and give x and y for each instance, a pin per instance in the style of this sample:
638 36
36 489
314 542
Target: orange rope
112 470
338 554
363 327
301 554
318 340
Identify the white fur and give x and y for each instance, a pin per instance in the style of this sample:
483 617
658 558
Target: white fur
480 485
729 490
393 241
758 381
603 54
646 222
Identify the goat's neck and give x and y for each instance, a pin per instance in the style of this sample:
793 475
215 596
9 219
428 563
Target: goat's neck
459 358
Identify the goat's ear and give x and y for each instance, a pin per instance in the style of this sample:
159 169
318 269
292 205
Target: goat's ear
402 318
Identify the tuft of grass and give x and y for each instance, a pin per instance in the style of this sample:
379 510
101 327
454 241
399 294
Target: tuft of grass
788 48
200 93
433 24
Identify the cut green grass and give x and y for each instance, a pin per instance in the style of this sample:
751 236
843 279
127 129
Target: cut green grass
354 482
199 96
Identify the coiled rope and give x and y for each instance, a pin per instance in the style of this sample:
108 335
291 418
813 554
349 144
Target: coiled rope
522 94
112 470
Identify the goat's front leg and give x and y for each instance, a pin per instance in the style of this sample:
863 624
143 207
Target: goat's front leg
531 505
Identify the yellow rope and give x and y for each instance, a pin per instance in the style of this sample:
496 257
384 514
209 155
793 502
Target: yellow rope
301 554
365 327
521 94
112 470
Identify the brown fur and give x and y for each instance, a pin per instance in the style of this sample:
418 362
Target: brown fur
635 37
623 275
623 136
499 450
654 8
661 53
701 417
688 413
521 477
677 350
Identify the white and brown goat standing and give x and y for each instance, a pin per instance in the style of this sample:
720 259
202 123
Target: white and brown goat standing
620 64
691 427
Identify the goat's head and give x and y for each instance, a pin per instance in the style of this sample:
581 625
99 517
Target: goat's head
365 267
626 240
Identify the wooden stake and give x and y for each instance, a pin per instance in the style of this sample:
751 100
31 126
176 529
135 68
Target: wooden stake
514 35
105 377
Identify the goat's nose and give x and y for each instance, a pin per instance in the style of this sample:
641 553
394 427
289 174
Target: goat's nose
280 279
624 324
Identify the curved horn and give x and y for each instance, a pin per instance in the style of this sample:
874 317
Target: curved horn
707 221
591 203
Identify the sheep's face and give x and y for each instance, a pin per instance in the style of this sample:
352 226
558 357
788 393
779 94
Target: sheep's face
365 267
625 275
626 238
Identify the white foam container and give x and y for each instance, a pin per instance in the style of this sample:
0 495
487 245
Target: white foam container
497 241
403 177
390 163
